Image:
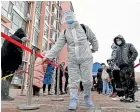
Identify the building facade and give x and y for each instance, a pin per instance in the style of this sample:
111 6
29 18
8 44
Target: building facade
40 19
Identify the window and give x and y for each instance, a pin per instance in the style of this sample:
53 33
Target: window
37 21
52 34
50 46
17 21
38 5
47 16
44 45
7 9
5 5
46 31
48 6
35 38
54 24
4 30
23 6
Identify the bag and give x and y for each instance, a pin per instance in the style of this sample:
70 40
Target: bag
105 75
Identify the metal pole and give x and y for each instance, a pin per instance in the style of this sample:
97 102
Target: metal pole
58 72
28 106
23 80
58 82
29 94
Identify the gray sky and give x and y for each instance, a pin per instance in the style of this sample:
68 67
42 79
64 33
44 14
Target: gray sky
107 19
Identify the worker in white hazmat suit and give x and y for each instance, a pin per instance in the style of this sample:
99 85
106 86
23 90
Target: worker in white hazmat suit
80 57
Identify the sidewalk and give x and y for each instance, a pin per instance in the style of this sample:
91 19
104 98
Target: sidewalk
101 102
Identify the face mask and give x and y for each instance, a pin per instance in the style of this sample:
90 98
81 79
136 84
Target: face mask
69 21
119 42
103 66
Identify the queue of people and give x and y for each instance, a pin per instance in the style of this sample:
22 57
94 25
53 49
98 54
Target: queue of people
117 80
120 73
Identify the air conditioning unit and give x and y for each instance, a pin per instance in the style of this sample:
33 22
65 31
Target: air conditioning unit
28 18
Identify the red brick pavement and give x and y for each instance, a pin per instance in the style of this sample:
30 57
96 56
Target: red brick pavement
47 105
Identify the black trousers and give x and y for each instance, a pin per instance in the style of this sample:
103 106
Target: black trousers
60 84
36 90
66 84
44 87
5 87
113 85
125 81
81 86
128 81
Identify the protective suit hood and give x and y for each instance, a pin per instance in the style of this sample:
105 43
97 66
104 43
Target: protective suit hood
119 37
20 33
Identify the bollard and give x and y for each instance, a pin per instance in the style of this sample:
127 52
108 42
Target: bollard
57 98
24 76
30 106
22 87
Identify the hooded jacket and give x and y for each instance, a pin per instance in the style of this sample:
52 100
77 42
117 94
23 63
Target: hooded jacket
11 55
126 53
39 71
48 75
111 61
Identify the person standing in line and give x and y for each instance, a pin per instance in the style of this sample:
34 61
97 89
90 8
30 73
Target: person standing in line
48 78
99 81
11 59
126 54
66 82
39 71
105 79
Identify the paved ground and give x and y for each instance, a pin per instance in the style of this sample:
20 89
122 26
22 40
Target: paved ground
101 102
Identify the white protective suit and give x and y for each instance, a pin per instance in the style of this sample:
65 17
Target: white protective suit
80 57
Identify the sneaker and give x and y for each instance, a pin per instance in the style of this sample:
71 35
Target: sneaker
61 93
49 93
44 93
8 98
114 95
117 98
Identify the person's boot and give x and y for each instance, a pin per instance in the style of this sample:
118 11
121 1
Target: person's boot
87 97
5 86
61 93
73 99
44 93
49 93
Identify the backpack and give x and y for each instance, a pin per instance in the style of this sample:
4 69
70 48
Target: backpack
84 28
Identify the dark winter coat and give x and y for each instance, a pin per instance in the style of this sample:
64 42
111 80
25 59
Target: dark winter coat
11 55
126 54
48 75
99 79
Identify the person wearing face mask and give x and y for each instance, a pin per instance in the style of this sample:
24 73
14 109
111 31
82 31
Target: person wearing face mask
11 59
80 59
126 54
